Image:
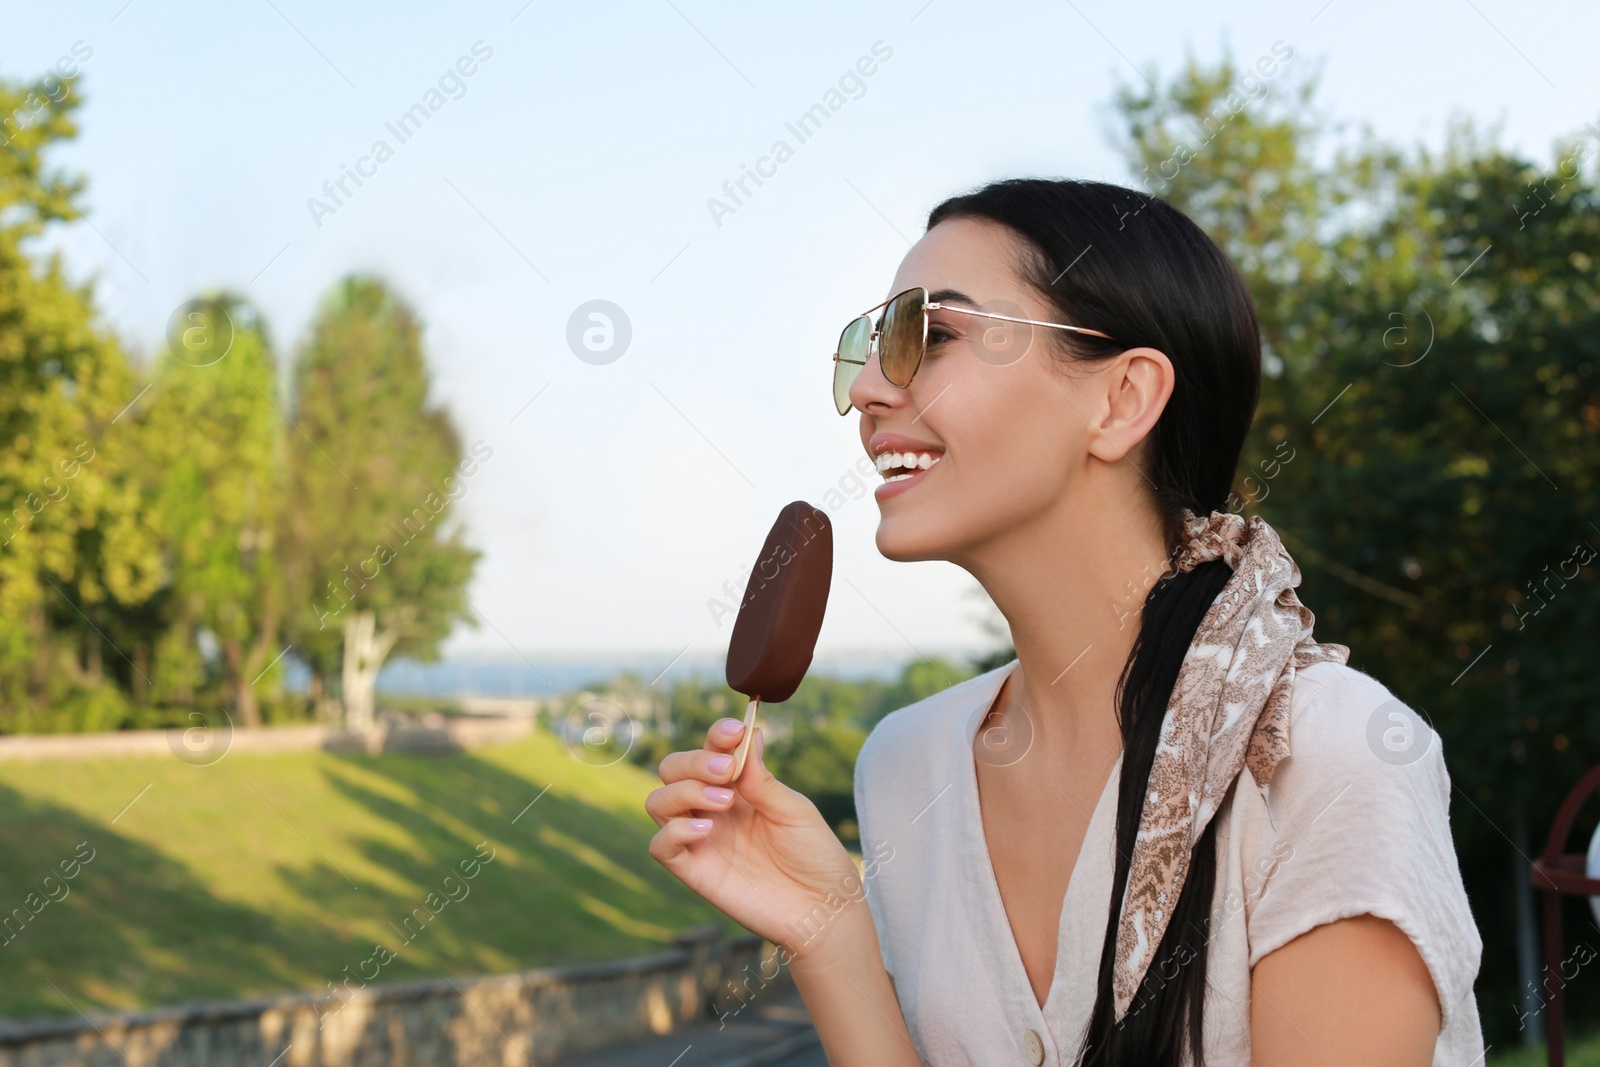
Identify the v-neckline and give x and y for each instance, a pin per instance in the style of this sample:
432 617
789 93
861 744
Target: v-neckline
1019 969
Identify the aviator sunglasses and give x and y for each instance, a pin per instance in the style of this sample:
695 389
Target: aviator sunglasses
902 340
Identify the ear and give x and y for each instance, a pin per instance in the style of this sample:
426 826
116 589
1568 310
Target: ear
1137 385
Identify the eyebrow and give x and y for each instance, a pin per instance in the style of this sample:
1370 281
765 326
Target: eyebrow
951 296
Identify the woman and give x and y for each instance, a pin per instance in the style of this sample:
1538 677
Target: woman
1274 882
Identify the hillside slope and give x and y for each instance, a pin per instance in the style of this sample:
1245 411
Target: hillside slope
270 873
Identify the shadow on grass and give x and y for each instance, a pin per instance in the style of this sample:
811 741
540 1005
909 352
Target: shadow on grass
133 922
569 881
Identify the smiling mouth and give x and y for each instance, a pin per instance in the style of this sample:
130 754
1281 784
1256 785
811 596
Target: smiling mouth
897 466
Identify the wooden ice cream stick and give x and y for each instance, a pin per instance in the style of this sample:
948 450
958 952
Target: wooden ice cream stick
743 750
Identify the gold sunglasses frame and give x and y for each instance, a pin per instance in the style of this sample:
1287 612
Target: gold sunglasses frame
928 304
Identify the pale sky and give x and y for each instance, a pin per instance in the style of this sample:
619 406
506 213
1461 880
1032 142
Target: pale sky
575 163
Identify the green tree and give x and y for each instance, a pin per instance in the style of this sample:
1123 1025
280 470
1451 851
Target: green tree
1467 572
74 551
212 431
375 561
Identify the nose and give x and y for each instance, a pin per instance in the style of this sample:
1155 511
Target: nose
872 394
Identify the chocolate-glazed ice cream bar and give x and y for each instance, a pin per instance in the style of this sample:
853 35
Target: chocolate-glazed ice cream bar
781 614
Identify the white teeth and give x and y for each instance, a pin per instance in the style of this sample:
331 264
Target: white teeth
908 461
896 478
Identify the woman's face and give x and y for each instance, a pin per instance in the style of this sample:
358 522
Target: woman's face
1006 426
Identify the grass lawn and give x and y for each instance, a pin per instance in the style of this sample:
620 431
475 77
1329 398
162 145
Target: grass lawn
269 873
1583 1050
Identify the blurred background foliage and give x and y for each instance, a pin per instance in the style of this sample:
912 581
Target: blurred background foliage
169 530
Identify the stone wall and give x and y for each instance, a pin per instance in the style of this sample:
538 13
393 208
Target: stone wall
531 1017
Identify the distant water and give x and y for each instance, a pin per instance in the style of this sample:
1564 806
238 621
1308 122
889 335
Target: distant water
551 675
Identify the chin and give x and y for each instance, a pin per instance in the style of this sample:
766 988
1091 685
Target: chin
900 550
904 539
950 526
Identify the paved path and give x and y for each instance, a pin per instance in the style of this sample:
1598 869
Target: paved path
777 1034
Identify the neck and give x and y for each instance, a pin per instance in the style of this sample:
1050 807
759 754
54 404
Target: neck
1072 590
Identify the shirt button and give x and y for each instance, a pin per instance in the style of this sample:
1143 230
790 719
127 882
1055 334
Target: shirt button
1035 1048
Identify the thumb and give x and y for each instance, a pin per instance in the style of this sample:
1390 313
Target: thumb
758 785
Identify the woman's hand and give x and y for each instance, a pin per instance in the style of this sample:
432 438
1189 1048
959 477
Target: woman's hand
762 853
758 850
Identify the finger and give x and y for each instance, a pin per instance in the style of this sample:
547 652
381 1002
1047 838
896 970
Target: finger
680 799
676 836
724 735
706 764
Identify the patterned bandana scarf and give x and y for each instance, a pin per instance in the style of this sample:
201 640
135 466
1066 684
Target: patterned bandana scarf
1229 710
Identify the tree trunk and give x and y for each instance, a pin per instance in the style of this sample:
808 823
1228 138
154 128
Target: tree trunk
39 669
365 649
1533 978
245 705
140 682
190 640
94 666
255 664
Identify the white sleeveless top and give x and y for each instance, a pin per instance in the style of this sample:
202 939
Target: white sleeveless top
1351 824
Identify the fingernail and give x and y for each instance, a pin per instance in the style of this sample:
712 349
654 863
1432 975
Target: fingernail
700 826
718 794
761 742
731 726
719 764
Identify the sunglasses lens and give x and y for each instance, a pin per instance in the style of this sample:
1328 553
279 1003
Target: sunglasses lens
853 344
902 336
